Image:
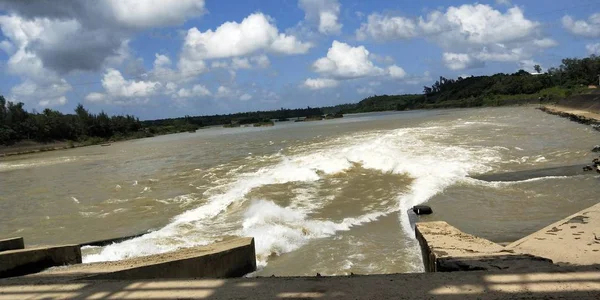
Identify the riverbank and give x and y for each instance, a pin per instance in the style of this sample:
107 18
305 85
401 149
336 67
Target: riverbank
577 115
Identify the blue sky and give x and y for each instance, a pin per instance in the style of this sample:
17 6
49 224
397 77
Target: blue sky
159 59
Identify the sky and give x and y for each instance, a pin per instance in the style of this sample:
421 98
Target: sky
170 58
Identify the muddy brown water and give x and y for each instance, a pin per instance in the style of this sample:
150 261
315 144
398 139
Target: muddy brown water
328 196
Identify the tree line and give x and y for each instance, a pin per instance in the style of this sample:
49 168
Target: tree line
573 75
17 124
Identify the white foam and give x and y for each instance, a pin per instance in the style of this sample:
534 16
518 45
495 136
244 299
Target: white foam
417 152
279 230
503 184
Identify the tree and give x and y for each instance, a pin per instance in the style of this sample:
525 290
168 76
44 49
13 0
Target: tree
537 69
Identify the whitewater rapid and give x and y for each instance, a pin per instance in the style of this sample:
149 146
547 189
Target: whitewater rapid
227 210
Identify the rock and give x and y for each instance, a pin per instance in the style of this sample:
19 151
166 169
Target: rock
588 168
596 148
422 210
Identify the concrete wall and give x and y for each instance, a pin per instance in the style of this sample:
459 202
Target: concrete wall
26 261
447 249
12 244
230 259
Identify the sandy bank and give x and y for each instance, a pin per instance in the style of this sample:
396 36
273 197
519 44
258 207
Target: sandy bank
27 147
557 109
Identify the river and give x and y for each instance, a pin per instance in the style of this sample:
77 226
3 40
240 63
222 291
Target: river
326 196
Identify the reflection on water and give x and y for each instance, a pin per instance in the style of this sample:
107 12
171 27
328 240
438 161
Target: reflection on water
328 197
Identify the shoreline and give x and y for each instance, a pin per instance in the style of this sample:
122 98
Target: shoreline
30 147
576 115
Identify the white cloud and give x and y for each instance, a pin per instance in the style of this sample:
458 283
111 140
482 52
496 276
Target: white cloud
7 47
262 61
385 28
593 48
528 65
345 61
95 97
245 97
153 13
43 95
388 60
545 42
460 61
224 92
503 2
477 24
289 45
118 88
254 33
425 79
45 40
197 90
161 61
396 72
219 64
320 83
323 13
240 63
589 28
484 33
365 90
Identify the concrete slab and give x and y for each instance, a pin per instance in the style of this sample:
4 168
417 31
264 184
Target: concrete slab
574 240
27 261
12 244
447 249
567 284
233 258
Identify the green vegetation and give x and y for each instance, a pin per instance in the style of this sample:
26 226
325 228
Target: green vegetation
570 78
16 124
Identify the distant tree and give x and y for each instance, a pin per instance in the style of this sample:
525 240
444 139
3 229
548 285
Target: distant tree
537 69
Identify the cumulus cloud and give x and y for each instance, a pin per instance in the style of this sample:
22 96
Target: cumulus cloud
46 94
320 83
396 72
197 90
255 32
45 41
589 28
478 32
262 61
81 35
460 61
477 24
483 33
365 90
593 48
528 65
245 97
224 92
345 61
118 88
385 28
322 13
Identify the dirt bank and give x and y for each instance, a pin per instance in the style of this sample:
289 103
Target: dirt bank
26 147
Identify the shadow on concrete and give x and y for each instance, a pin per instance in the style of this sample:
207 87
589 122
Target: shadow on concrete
568 283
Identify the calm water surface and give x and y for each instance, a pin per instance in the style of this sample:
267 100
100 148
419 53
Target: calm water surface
328 196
